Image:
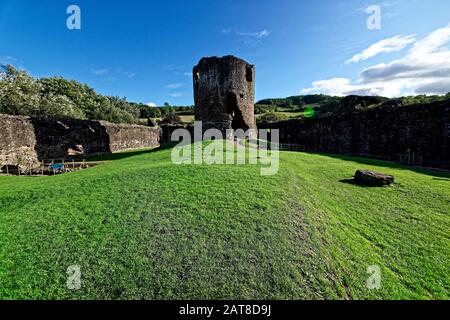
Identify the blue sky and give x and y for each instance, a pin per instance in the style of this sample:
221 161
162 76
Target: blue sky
145 50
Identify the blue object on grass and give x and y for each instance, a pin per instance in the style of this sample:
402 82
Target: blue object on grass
57 166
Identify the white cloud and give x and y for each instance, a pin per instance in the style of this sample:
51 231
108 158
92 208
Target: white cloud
151 104
100 72
250 38
128 74
425 69
177 94
438 87
178 70
7 60
112 74
344 87
174 85
186 74
174 67
258 35
396 43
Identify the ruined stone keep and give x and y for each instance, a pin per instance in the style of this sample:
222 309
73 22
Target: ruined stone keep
224 90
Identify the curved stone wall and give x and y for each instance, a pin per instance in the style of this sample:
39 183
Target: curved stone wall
25 140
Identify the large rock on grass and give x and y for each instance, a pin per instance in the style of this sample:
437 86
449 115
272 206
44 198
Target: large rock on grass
373 178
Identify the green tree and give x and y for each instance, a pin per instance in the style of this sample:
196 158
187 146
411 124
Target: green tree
154 113
21 94
124 105
57 106
166 110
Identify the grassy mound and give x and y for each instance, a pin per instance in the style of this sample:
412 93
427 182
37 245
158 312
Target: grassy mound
141 227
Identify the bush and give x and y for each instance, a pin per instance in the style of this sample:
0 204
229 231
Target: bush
149 112
186 110
154 113
172 118
273 117
21 94
167 110
261 108
57 106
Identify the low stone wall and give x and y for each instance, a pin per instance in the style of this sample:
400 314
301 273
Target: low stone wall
126 136
25 140
17 141
422 130
167 131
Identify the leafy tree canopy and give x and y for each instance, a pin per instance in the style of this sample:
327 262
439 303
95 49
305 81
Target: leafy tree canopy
21 94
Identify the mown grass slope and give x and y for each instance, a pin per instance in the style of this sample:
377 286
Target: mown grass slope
142 227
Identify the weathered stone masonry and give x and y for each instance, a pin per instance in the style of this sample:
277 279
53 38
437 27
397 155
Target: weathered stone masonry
420 129
29 140
224 90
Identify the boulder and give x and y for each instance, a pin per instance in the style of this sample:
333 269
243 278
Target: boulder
373 178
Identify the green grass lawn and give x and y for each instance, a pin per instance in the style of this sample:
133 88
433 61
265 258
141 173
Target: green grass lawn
141 227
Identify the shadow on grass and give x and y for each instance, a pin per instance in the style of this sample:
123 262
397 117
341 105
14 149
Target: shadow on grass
387 164
354 183
127 154
442 179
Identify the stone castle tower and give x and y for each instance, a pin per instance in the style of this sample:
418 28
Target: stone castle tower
224 90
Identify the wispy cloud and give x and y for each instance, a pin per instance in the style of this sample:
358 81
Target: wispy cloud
100 72
258 35
425 69
396 43
186 74
248 37
112 74
128 74
175 85
151 104
178 70
8 60
17 63
174 67
176 94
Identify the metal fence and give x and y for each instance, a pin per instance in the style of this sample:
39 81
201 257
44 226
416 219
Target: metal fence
29 169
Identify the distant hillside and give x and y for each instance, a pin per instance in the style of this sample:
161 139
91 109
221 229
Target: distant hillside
300 100
296 106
